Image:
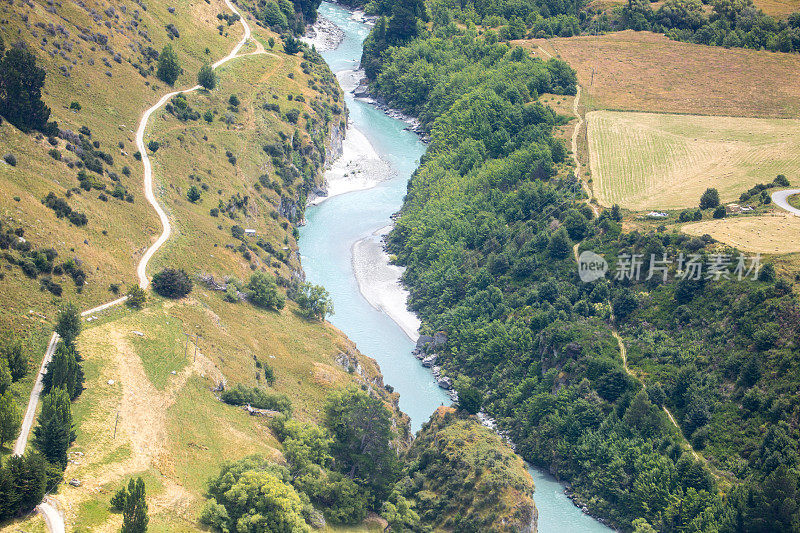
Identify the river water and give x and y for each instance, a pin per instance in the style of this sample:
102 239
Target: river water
340 249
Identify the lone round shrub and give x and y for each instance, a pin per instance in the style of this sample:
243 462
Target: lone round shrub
11 159
172 283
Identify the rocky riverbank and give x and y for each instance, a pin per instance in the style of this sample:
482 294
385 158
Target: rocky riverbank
323 35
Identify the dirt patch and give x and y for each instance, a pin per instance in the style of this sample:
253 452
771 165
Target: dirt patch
141 441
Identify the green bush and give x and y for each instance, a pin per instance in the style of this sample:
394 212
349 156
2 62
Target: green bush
263 292
258 398
207 78
172 283
137 297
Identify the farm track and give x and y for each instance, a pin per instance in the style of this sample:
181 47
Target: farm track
52 515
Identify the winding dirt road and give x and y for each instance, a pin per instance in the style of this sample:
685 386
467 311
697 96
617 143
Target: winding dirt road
52 516
166 231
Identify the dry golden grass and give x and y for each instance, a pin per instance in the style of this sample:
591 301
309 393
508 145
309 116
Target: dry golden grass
766 234
199 148
111 106
778 8
775 8
170 427
643 71
118 232
659 161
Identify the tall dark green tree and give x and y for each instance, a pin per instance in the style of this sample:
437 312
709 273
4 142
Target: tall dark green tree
560 245
291 45
168 66
21 83
64 371
470 399
709 199
54 433
134 513
23 483
308 8
68 323
10 418
13 352
362 450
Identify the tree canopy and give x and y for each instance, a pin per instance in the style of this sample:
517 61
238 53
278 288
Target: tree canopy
169 67
21 83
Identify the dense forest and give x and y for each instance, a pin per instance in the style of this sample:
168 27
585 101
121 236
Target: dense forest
729 23
487 233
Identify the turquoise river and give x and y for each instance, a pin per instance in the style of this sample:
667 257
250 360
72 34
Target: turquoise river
327 241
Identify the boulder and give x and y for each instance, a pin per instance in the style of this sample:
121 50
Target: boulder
445 383
429 361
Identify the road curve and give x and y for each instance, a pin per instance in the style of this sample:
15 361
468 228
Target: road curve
166 231
781 199
52 516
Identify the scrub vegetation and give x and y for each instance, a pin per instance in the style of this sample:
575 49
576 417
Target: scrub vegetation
587 377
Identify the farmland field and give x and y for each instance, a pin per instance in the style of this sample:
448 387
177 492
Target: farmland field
774 8
643 71
659 161
768 234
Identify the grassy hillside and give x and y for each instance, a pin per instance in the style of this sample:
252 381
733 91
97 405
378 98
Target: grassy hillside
253 148
100 63
137 417
68 41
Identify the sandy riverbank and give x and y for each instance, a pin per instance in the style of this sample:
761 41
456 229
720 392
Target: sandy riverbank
359 167
379 282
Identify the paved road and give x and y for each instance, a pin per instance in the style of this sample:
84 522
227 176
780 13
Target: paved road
781 200
52 516
30 412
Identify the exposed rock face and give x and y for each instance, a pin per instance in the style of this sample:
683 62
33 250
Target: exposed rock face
333 149
423 341
290 209
439 339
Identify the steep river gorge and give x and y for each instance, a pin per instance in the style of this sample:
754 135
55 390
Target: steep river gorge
341 249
